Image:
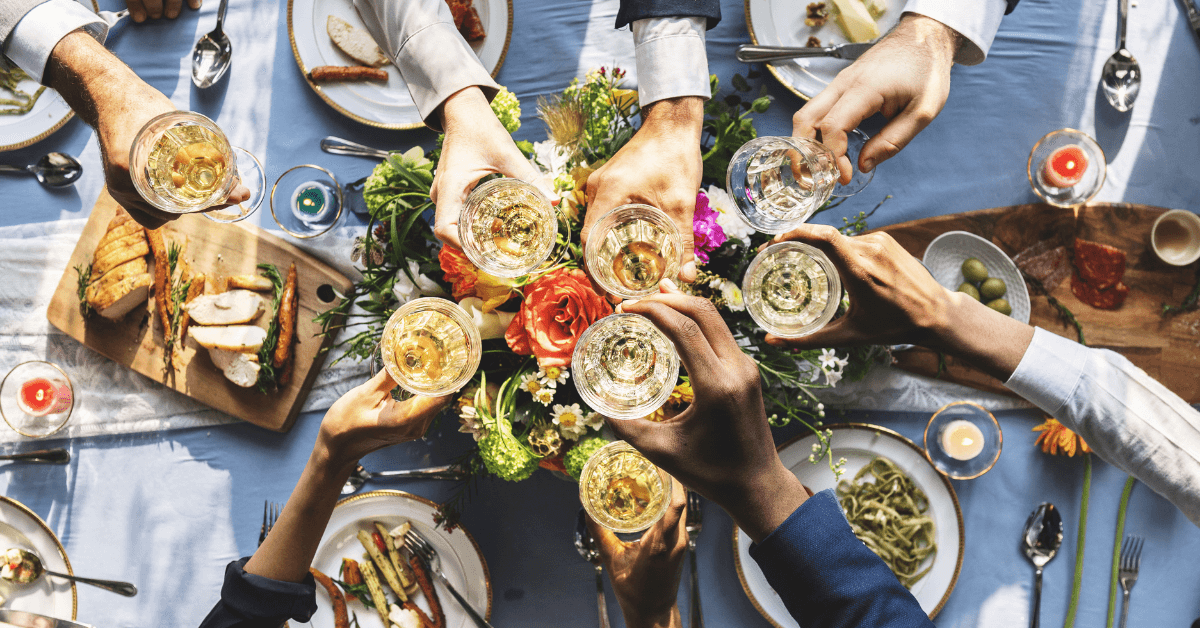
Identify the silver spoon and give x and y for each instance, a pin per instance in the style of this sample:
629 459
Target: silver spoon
55 170
360 476
1121 78
32 569
212 53
586 546
1042 538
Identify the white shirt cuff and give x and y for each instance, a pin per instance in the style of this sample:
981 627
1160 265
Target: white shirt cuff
1049 372
671 60
976 20
32 41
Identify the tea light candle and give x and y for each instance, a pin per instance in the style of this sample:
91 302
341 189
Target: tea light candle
962 440
1065 167
40 397
309 199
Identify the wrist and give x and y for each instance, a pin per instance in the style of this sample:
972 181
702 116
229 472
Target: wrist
680 116
330 460
766 501
991 341
931 35
463 106
666 617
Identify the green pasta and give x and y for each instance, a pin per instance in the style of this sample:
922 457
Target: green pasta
21 101
888 515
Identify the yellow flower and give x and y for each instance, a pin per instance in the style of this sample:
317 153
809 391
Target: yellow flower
623 99
1055 436
680 398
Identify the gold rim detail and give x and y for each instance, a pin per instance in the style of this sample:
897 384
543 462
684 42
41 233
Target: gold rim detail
61 551
999 439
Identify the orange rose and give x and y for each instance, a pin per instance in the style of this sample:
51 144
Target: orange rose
556 310
468 281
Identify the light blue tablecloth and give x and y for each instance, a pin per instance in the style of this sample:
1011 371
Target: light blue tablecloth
168 510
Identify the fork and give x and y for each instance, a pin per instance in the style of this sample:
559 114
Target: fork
425 552
270 516
695 520
1131 561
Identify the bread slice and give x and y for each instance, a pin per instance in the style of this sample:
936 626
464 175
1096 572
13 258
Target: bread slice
239 368
117 300
228 308
251 282
238 338
132 268
355 42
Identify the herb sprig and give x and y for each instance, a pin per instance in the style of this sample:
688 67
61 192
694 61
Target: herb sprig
266 369
83 279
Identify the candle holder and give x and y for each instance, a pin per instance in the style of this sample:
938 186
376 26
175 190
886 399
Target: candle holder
306 201
36 398
963 440
1066 168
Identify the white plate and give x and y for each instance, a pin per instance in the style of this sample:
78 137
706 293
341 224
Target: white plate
462 562
48 115
389 105
859 444
945 255
54 597
781 23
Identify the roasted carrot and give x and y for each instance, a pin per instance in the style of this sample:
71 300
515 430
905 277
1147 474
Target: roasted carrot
287 321
332 73
340 618
435 608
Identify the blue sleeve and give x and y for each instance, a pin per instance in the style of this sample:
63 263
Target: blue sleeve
828 578
634 10
1012 4
250 601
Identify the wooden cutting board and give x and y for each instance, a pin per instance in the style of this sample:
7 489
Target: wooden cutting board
136 341
1166 347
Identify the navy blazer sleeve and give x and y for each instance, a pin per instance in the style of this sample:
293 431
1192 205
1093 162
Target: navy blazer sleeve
251 601
1012 4
828 578
634 10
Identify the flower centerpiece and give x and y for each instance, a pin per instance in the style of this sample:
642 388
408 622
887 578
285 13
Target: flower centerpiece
523 409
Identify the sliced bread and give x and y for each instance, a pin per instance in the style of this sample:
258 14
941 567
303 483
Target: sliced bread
355 42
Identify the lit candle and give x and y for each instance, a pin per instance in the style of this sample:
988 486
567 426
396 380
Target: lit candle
309 199
40 396
1065 167
962 440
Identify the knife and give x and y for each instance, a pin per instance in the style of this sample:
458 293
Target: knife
750 53
1193 16
25 619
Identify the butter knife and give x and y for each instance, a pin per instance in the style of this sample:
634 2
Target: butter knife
751 53
1193 16
25 619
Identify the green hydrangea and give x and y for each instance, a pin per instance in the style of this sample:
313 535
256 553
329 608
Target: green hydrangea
504 455
508 110
579 454
400 172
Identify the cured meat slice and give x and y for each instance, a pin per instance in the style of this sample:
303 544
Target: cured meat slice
1101 298
1100 265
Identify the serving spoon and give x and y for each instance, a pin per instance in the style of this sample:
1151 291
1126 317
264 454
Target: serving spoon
54 170
1122 77
1042 538
36 570
212 53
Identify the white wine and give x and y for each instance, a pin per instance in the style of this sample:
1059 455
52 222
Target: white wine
508 227
429 348
625 368
632 249
188 165
791 289
622 490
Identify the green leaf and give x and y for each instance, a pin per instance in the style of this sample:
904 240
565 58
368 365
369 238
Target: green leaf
740 84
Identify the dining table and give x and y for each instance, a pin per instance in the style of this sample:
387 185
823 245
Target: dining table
167 507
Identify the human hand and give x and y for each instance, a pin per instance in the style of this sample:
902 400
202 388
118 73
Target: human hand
661 167
906 76
139 10
476 145
645 573
721 444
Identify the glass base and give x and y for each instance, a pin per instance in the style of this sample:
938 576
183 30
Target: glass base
250 171
1086 188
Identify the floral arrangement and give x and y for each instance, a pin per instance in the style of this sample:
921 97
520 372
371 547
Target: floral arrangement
522 408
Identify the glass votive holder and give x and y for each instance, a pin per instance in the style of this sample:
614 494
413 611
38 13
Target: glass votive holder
36 398
625 367
791 289
963 440
622 490
306 201
250 171
631 249
1066 168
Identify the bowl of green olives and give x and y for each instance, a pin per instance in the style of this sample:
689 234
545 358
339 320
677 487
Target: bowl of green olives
967 263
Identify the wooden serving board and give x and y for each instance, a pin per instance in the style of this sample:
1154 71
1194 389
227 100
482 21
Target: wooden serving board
136 341
1166 347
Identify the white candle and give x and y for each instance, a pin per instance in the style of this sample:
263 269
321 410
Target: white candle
962 440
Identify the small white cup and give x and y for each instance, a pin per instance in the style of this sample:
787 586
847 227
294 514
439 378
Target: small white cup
1175 237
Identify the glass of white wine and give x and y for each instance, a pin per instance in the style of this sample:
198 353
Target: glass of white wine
625 368
430 347
791 289
622 490
779 182
631 249
507 228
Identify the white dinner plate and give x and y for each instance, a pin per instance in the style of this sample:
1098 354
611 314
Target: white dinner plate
859 444
385 105
781 23
54 597
48 115
461 560
945 255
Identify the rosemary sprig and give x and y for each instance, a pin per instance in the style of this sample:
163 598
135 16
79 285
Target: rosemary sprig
84 278
173 309
266 353
1063 312
1188 303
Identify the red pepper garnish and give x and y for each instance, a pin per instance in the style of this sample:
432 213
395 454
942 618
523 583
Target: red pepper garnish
379 541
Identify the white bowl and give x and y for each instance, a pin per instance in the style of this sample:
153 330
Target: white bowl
945 256
1189 224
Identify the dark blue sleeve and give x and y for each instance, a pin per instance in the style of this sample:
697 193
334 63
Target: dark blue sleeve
634 10
828 578
250 601
1012 4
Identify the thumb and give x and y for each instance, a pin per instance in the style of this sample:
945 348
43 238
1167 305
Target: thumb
607 542
648 437
419 409
449 195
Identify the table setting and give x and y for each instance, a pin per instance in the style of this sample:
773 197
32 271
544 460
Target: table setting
140 446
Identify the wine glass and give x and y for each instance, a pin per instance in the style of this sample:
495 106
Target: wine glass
778 183
791 289
306 201
622 490
631 249
507 228
36 398
430 346
625 368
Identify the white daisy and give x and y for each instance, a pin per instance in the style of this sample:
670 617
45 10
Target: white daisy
728 218
544 396
552 376
569 420
594 420
531 384
733 297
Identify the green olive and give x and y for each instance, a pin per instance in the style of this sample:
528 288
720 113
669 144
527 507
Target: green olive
1000 305
992 288
973 270
969 289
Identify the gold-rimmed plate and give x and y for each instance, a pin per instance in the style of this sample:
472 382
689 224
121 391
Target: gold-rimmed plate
781 23
53 597
384 105
461 560
859 444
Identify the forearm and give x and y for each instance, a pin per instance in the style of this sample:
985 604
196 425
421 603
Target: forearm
682 116
87 76
665 619
766 501
462 109
965 328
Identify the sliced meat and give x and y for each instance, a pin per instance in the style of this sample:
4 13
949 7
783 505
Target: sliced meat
1100 265
132 268
228 308
472 26
115 256
251 282
115 302
1100 298
239 338
239 368
1049 266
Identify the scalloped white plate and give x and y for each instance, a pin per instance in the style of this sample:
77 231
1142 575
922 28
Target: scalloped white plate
945 255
